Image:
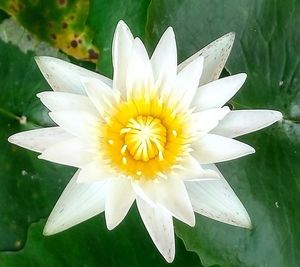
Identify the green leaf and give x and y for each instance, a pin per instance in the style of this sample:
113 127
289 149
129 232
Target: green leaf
14 33
3 15
268 185
90 244
103 18
23 176
59 22
267 182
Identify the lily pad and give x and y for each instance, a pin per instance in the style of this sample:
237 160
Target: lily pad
14 33
103 18
90 244
23 176
59 22
268 182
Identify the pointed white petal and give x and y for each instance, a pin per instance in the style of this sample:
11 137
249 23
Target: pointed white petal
77 203
139 72
187 83
61 101
118 201
81 124
205 121
171 194
141 192
240 122
217 93
40 139
215 55
121 49
103 97
64 76
213 148
216 200
164 61
159 225
71 152
96 170
192 171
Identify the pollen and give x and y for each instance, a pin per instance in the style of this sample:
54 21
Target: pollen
111 142
145 138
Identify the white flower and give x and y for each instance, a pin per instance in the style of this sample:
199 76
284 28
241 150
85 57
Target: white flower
151 135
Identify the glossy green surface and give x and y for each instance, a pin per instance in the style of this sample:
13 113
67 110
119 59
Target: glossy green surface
103 18
91 244
23 176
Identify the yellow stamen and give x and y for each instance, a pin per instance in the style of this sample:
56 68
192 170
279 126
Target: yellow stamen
144 137
123 150
160 156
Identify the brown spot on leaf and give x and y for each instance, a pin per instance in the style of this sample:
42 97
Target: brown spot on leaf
74 43
14 9
62 2
21 6
93 54
53 36
64 25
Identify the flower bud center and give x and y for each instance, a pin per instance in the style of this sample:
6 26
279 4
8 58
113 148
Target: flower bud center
145 138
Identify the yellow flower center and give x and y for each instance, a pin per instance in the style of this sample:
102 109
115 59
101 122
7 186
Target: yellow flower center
145 138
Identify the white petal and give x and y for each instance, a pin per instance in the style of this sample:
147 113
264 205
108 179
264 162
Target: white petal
159 225
61 101
81 124
118 201
121 49
77 203
141 192
103 97
213 148
40 139
64 76
187 83
192 171
215 55
139 72
164 61
216 200
205 121
97 170
240 122
71 152
171 194
217 93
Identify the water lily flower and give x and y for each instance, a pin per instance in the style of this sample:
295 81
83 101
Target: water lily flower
150 135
